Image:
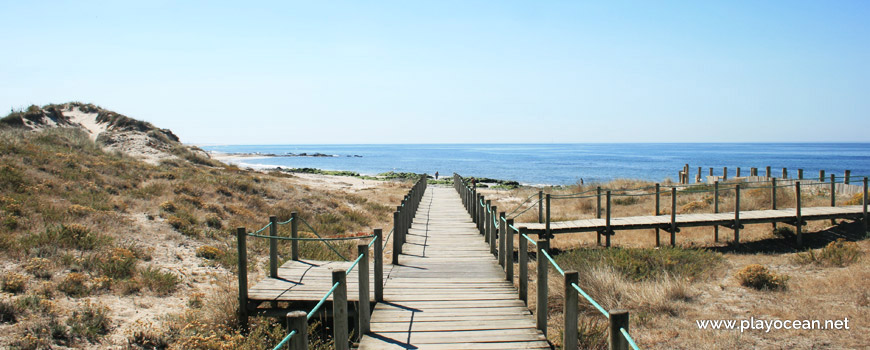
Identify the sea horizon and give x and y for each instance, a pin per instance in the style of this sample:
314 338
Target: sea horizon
565 163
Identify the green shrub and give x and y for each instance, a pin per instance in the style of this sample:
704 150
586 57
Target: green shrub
645 263
759 277
74 285
159 282
14 282
89 322
837 253
119 263
209 252
8 312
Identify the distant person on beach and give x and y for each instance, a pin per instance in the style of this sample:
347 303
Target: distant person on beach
436 175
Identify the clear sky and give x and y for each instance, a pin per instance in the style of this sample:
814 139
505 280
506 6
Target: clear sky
288 72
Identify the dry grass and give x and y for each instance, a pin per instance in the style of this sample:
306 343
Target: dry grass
664 308
85 222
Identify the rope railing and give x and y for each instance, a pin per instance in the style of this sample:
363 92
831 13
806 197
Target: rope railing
492 226
324 241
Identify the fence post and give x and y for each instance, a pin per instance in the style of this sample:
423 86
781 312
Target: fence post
489 230
864 203
711 171
773 198
833 195
242 237
397 245
846 177
294 233
541 300
540 207
784 173
737 213
379 265
673 216
548 222
799 224
800 174
618 319
524 266
738 172
607 231
339 309
716 210
698 178
509 251
298 321
767 172
570 313
273 247
598 211
724 173
658 206
821 176
502 229
364 314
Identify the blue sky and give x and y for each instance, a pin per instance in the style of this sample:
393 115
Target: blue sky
451 71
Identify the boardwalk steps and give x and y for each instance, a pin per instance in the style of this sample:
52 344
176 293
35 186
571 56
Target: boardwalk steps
448 292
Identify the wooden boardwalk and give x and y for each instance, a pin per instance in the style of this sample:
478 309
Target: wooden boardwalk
448 291
306 281
693 220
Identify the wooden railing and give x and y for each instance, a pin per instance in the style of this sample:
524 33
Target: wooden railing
499 232
297 333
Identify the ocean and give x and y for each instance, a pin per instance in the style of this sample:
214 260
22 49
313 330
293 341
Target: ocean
566 164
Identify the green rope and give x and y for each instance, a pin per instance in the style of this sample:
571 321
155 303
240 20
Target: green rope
354 264
264 227
309 238
285 340
386 240
285 222
547 255
524 211
629 339
521 204
322 300
373 241
327 243
530 240
590 300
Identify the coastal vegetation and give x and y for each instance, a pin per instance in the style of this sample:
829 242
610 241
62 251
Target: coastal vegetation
87 233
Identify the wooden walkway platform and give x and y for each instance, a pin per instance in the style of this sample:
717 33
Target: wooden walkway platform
307 281
693 220
448 291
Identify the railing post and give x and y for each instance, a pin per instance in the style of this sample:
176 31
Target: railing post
487 219
773 198
738 172
821 176
618 319
570 312
541 300
864 203
242 237
847 176
658 211
501 233
607 231
294 233
711 171
673 216
784 173
273 247
364 314
800 174
397 245
767 172
540 207
524 266
298 321
725 173
548 222
598 211
716 209
737 213
379 265
509 250
833 195
799 224
400 228
339 309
